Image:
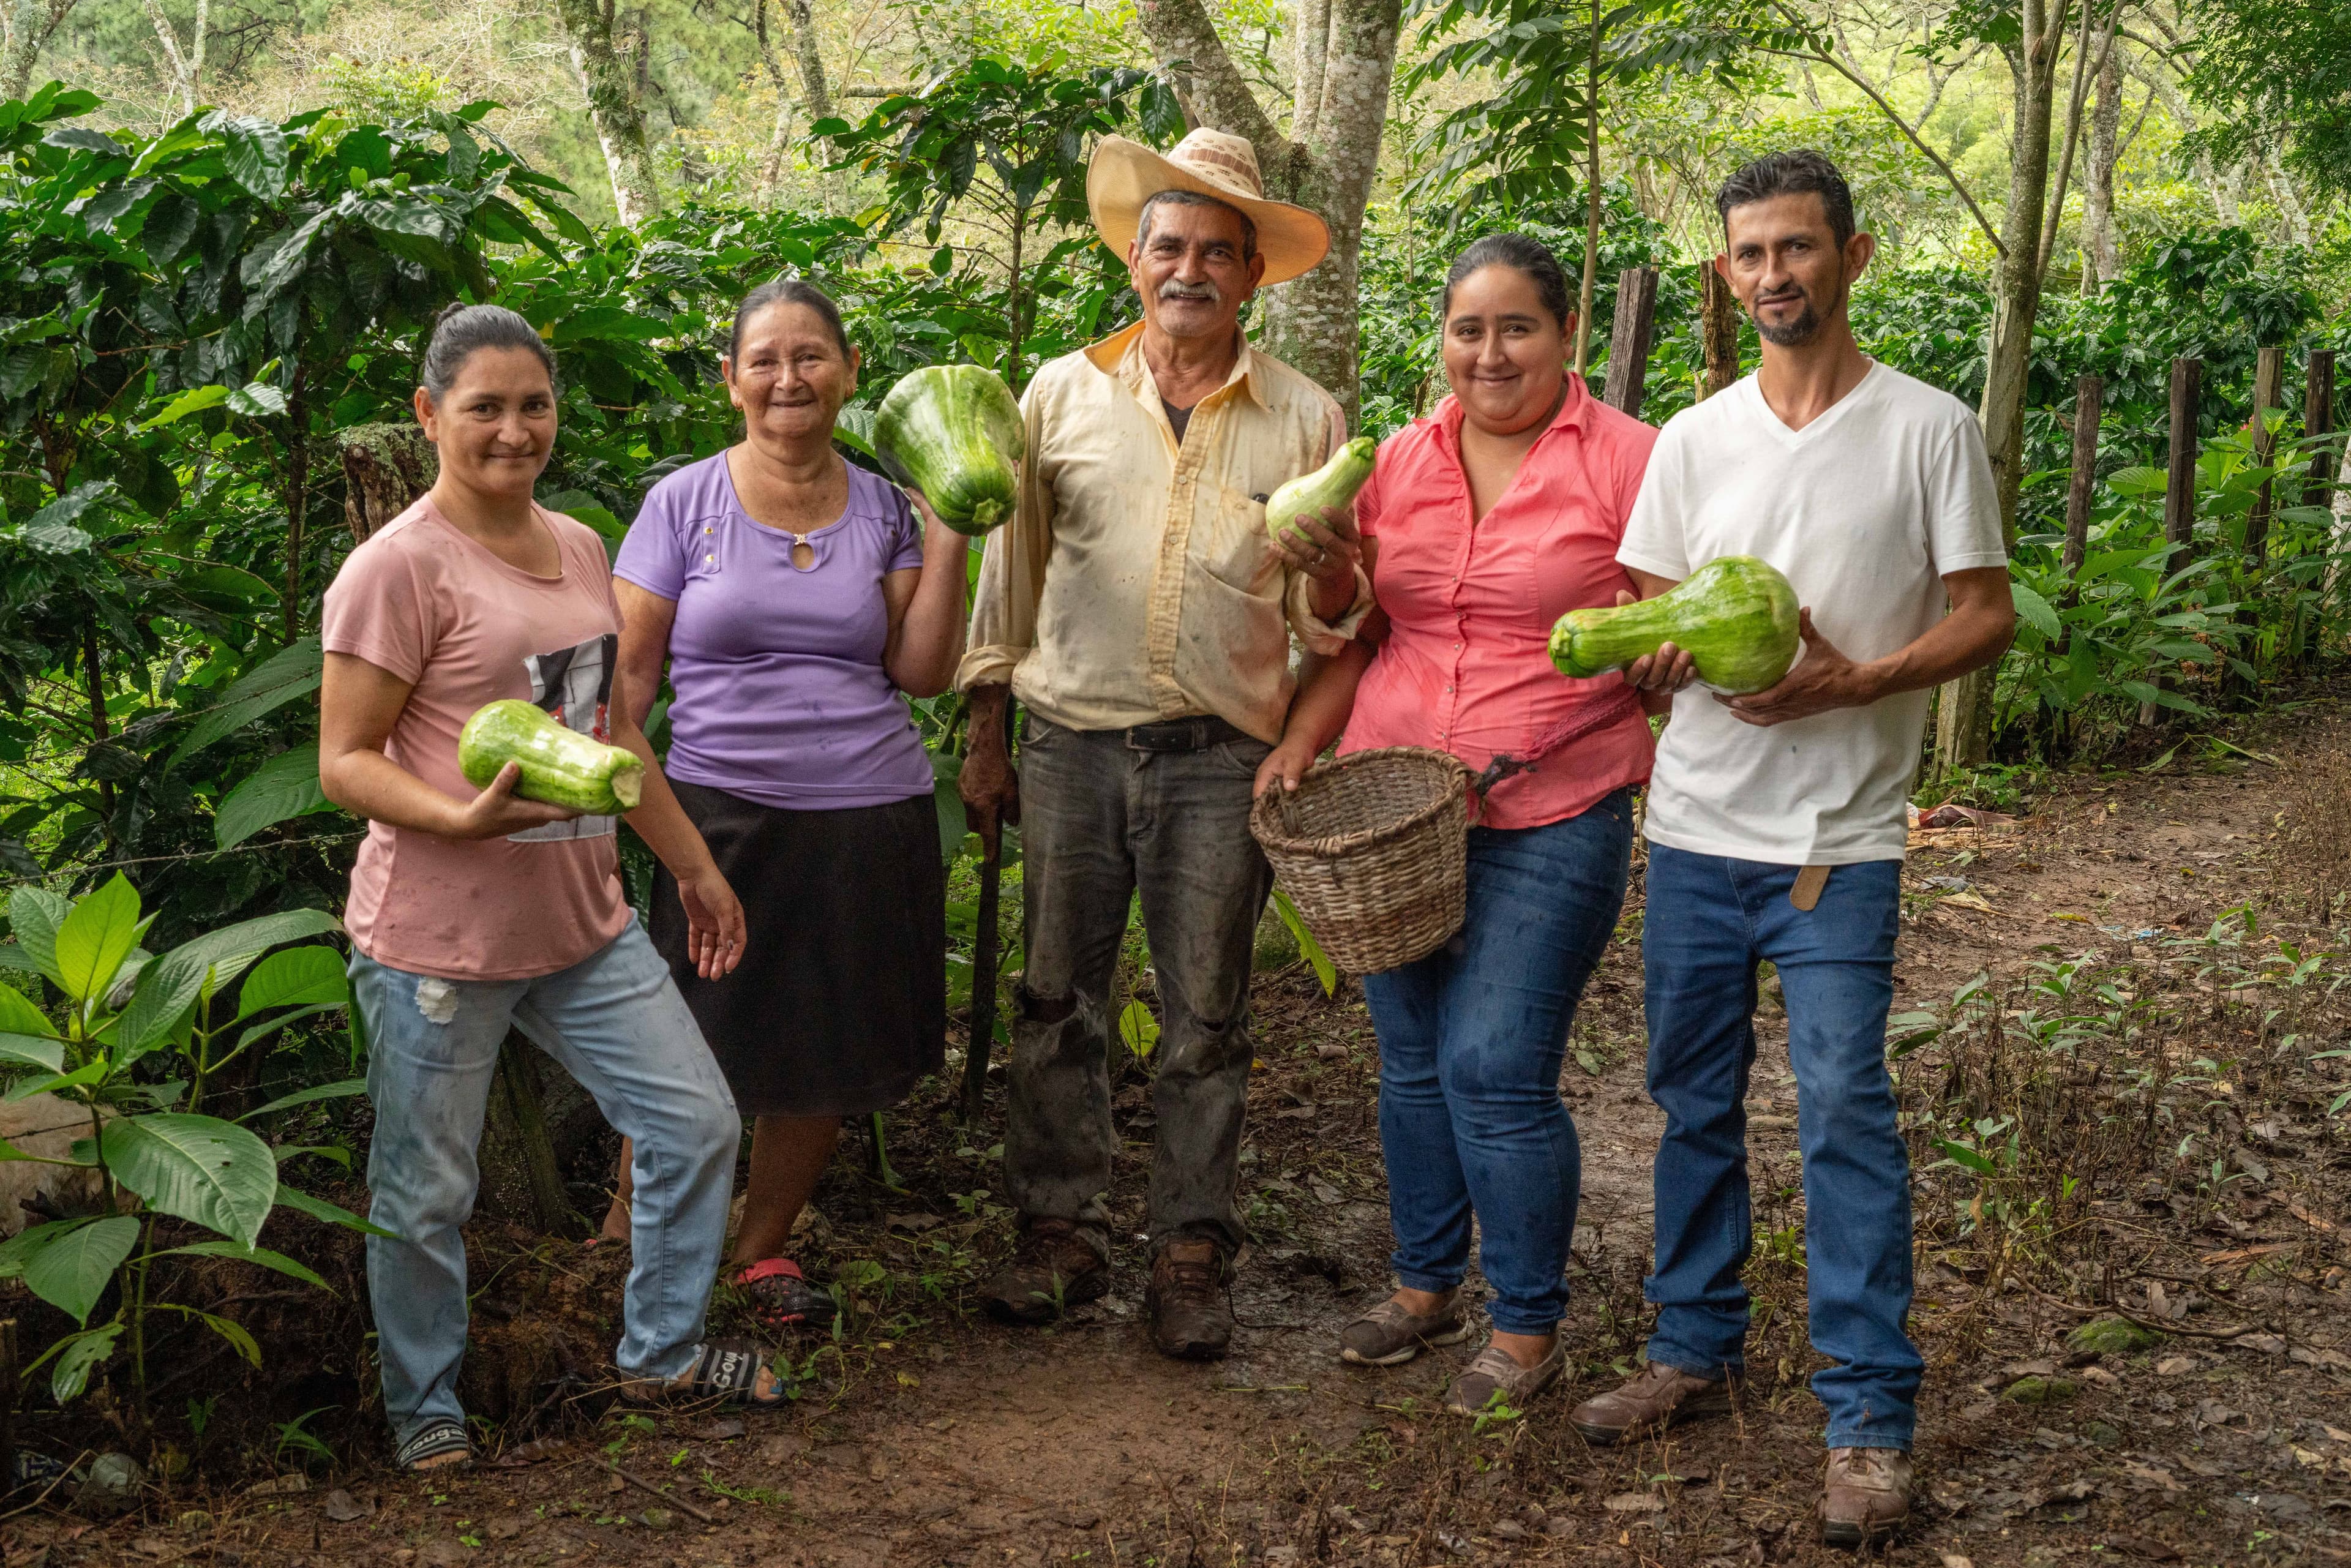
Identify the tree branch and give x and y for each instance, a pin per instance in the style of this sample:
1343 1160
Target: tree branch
1183 34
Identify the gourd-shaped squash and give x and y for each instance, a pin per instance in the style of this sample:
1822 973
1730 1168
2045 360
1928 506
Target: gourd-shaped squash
954 433
1736 616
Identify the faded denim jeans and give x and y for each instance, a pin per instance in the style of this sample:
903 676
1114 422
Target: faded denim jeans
617 1024
1710 922
1101 821
1470 1041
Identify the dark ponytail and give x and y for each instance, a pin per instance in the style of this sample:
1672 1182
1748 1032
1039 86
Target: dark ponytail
461 332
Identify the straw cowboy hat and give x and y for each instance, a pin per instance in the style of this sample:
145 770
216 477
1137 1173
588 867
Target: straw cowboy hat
1124 174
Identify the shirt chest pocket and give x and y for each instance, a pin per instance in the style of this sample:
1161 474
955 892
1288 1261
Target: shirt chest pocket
1229 538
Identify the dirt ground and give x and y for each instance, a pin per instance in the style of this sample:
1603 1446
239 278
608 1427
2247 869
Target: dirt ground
2175 1162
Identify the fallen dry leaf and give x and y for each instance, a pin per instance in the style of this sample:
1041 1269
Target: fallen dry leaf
2147 1478
1634 1502
342 1506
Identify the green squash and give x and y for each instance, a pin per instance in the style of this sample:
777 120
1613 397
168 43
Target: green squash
560 765
1735 615
954 433
1332 484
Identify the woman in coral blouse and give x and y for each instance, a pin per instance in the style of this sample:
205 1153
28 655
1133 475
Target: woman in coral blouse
1482 524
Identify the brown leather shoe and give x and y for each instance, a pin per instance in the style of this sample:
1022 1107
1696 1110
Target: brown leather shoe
1661 1396
1867 1496
1191 1317
1052 1269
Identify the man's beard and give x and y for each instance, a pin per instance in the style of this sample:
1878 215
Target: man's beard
1792 334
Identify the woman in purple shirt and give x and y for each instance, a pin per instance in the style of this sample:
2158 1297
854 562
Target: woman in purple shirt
794 598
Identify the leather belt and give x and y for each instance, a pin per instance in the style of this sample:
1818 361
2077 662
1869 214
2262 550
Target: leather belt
1183 734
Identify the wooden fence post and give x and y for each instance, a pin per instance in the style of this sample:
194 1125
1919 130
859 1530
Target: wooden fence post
2318 419
1719 311
2089 405
2180 488
2269 387
1629 339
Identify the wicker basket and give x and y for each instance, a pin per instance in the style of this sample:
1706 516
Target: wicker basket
1371 848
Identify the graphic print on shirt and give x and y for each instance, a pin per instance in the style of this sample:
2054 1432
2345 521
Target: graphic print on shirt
574 686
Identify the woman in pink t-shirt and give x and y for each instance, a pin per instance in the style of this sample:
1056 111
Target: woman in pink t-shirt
474 910
1482 524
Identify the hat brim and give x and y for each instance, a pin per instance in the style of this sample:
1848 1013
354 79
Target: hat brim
1124 175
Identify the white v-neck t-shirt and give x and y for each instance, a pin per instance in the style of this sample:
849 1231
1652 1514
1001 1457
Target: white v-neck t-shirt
1864 509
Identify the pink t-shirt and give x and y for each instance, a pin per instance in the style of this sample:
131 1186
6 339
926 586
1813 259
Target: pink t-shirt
464 628
1466 667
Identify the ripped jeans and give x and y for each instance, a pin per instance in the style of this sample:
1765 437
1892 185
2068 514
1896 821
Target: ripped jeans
1100 822
617 1024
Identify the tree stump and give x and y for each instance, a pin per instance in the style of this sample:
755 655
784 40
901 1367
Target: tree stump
385 468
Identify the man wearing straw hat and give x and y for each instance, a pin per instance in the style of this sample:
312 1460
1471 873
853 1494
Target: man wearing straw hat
1138 609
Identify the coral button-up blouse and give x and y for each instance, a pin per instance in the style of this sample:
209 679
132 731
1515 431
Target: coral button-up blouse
1467 666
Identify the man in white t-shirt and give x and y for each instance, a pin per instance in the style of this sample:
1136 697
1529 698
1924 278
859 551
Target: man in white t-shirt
1776 821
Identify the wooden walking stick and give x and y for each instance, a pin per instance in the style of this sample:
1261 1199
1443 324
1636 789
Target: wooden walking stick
984 957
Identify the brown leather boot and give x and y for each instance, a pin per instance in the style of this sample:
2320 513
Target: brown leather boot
1191 1316
1052 1269
1868 1496
1661 1396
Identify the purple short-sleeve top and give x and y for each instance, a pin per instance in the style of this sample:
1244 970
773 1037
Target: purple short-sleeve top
780 694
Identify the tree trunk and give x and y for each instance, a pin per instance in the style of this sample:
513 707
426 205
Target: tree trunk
614 107
25 26
1719 308
187 65
1591 197
1963 717
1326 163
814 92
2098 200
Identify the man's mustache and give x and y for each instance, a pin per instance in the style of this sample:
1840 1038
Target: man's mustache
1172 289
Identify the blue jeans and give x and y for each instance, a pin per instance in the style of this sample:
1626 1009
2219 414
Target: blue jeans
1470 1041
1710 922
617 1024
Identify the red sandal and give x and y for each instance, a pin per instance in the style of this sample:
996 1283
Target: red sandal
781 1296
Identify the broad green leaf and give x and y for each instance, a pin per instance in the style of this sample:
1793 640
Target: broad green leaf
1962 1155
2036 611
342 1090
261 1255
18 1016
77 1357
233 1332
35 914
334 1152
96 938
168 988
70 1272
186 403
1138 1029
256 157
333 1214
257 398
271 1026
197 1167
292 672
285 787
1308 947
233 948
94 1071
299 976
34 1051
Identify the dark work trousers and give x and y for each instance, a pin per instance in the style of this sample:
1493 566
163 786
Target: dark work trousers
1099 821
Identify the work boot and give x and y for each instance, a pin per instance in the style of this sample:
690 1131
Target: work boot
1392 1334
1867 1496
1052 1269
1661 1396
1191 1317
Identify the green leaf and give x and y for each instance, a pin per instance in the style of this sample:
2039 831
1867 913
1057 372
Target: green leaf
233 948
261 1255
1309 949
94 1071
299 976
96 938
271 1026
256 157
168 988
197 1167
70 1269
186 403
1138 1029
35 914
34 1051
18 1016
233 1332
291 673
2036 611
1962 1155
342 1090
284 788
333 1214
77 1356
255 399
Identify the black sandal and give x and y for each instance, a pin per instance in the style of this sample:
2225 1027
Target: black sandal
725 1369
430 1441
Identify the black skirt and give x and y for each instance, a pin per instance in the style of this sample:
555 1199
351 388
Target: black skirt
840 1004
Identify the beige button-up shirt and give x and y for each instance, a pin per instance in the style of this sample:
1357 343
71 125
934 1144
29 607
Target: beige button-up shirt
1135 581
